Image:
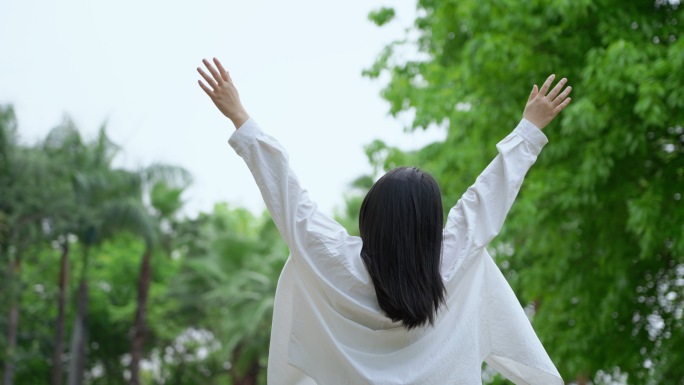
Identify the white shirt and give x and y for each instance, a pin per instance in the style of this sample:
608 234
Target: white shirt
327 325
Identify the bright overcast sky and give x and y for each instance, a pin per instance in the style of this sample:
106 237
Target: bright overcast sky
297 65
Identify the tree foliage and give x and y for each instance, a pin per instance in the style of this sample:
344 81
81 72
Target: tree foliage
235 267
594 246
595 243
59 197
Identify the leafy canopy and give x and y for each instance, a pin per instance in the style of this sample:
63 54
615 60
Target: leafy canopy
595 243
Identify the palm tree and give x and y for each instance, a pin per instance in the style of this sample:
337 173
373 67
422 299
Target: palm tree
106 200
120 210
65 147
167 184
26 217
8 148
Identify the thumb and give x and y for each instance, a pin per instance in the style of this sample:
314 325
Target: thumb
533 94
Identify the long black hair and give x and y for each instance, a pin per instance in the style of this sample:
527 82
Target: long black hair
400 223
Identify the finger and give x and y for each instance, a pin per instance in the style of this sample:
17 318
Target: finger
206 89
561 106
545 87
561 98
533 94
557 89
208 78
213 71
224 74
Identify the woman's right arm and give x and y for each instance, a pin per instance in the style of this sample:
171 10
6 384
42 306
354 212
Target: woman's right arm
295 215
479 215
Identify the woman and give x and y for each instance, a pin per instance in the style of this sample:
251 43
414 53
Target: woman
407 302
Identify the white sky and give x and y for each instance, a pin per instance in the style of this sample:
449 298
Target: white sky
296 63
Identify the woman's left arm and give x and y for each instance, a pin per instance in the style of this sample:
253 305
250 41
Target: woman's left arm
483 208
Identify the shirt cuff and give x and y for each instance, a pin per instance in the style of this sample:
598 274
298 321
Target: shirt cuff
240 137
531 133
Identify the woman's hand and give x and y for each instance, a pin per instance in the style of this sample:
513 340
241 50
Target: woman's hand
541 107
222 92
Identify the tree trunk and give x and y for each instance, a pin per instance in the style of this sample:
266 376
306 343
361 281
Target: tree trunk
251 376
61 305
13 321
11 344
79 336
139 324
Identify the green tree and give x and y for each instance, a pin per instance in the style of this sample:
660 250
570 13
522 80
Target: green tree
9 217
108 200
236 268
114 300
28 220
65 149
61 196
594 245
166 186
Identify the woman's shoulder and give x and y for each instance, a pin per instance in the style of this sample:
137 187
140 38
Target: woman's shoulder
336 250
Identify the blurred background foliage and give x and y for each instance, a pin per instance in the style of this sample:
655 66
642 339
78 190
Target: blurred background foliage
103 281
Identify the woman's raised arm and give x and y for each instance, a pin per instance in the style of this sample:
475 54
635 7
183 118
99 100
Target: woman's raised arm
296 216
480 213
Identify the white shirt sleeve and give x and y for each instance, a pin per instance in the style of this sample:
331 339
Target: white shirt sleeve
295 215
478 216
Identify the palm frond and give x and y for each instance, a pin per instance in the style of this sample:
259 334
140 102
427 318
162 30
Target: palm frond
65 135
165 200
129 214
103 149
91 187
173 176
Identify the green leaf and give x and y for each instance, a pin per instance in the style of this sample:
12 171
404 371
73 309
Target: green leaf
381 16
